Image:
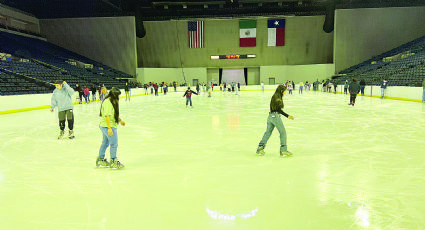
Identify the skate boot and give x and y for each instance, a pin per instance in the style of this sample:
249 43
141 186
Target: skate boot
116 164
285 154
102 162
71 134
61 134
260 151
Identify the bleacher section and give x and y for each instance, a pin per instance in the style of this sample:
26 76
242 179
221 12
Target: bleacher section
48 63
402 66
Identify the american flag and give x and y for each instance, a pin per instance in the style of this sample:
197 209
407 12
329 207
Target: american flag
196 34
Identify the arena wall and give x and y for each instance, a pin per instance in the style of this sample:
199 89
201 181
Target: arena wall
166 44
281 74
22 103
296 73
111 41
361 34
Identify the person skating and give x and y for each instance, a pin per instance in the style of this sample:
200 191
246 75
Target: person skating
362 86
86 91
62 98
188 95
384 85
209 88
110 117
354 89
274 120
300 90
104 92
290 88
346 87
93 92
165 89
127 91
79 89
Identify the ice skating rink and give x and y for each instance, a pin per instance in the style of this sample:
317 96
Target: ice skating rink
359 167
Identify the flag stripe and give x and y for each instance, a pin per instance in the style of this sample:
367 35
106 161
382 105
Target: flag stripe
247 24
248 33
280 36
272 37
247 42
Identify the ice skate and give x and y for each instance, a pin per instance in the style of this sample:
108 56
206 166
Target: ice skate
71 134
116 164
285 154
61 134
260 151
102 162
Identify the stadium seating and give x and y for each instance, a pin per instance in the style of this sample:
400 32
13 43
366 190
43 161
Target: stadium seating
47 63
402 66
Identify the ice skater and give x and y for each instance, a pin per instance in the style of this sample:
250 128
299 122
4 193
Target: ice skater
290 88
110 117
62 98
127 91
274 120
188 95
384 85
300 90
346 87
354 89
93 93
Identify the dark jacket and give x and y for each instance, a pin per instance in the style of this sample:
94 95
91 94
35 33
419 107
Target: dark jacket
384 84
362 83
354 87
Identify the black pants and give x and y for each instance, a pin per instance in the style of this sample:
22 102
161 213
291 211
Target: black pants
353 98
81 96
345 90
66 115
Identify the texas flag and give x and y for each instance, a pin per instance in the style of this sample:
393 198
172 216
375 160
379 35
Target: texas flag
276 29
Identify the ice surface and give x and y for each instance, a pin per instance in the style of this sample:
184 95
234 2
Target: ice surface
359 167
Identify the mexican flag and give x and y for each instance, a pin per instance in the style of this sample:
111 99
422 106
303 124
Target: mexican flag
247 32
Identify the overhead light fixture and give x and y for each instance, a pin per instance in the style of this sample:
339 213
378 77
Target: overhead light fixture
184 6
205 6
165 7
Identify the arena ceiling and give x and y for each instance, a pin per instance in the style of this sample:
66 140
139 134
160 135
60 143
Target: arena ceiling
175 9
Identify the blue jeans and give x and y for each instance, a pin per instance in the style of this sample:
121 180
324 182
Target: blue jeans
382 92
188 99
109 141
362 89
301 90
273 121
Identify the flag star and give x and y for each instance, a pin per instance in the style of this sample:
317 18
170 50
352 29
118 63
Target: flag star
276 23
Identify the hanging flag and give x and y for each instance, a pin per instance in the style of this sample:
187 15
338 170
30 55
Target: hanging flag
276 29
196 34
248 33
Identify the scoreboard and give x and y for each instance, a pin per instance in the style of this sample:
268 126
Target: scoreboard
233 56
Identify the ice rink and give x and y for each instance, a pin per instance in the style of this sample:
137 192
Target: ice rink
359 167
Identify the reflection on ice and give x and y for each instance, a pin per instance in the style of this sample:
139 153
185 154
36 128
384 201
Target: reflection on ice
231 216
